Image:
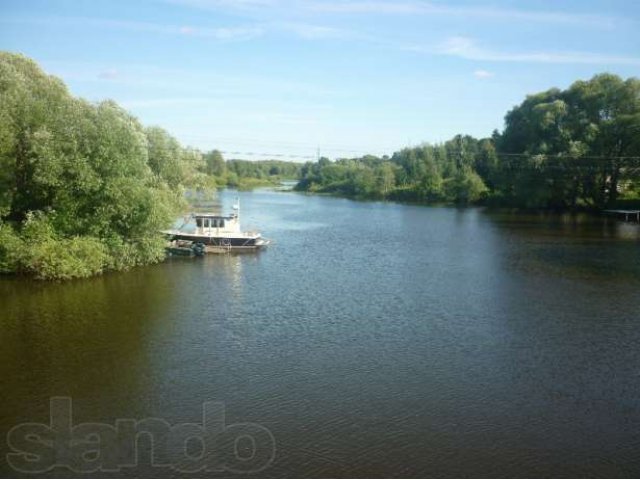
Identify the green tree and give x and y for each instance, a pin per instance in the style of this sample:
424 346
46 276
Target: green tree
385 178
215 164
81 183
598 118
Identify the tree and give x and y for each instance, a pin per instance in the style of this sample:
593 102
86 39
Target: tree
165 153
84 187
596 118
385 178
215 164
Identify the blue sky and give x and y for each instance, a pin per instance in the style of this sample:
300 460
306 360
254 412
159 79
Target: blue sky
348 77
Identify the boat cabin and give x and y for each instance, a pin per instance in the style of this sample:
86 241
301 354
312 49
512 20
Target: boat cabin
213 225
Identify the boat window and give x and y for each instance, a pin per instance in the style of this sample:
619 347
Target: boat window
222 223
199 222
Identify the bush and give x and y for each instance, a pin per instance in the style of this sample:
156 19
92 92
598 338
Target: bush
47 256
63 259
11 249
37 250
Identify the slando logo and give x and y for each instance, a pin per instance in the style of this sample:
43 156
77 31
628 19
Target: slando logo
90 447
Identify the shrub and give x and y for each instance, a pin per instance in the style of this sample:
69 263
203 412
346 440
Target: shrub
63 259
11 249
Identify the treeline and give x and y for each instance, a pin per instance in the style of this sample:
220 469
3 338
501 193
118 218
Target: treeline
85 187
559 149
428 174
248 173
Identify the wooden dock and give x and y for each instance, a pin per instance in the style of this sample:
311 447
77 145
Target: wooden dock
629 215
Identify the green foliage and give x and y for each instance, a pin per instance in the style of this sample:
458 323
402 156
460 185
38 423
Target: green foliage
559 149
64 258
165 157
246 174
11 249
215 164
466 186
84 187
38 250
123 255
269 171
558 130
428 173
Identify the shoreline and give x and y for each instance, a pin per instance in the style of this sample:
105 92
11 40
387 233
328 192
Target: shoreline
594 211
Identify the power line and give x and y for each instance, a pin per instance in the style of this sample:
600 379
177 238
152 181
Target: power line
271 155
523 156
287 144
343 149
567 157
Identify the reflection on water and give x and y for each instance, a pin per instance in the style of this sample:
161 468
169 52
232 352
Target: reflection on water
573 245
86 339
371 339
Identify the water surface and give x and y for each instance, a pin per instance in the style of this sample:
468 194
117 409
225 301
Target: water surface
371 339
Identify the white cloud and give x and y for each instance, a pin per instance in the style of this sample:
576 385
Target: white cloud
222 33
402 7
483 74
192 85
237 33
314 32
219 4
382 7
108 74
467 48
167 102
428 8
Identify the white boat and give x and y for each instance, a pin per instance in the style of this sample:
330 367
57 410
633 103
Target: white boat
218 233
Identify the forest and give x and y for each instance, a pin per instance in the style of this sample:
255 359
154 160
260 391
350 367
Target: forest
560 149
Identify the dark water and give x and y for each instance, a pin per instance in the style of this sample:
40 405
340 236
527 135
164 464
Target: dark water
371 340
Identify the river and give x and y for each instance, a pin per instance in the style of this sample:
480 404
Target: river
371 339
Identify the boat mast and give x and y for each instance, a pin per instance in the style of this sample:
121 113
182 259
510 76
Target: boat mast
236 207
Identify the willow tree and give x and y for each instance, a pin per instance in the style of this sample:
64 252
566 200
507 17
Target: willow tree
574 141
79 181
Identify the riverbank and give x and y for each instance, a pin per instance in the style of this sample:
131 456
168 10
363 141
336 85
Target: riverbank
487 203
250 183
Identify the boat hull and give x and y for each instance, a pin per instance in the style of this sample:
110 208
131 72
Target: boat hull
214 244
